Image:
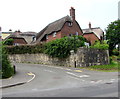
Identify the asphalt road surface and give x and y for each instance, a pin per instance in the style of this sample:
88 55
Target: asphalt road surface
54 81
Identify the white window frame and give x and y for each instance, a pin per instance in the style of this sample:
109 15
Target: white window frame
54 34
47 37
70 24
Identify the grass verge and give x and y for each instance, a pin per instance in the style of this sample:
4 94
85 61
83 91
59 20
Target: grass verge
112 67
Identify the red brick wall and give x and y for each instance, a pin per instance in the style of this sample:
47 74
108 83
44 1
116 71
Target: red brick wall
91 37
50 37
65 31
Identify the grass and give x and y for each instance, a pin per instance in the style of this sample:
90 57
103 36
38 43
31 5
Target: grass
112 67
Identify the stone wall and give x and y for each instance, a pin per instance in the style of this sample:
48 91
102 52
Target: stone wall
90 57
84 57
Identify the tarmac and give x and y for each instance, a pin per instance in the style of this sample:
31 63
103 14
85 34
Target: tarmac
21 77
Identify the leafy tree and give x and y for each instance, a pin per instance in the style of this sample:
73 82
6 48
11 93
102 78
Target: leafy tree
61 47
100 45
113 34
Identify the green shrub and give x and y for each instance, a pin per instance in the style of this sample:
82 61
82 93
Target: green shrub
100 45
61 47
115 52
22 49
8 42
7 69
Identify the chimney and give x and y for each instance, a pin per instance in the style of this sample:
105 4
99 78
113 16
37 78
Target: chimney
89 25
72 13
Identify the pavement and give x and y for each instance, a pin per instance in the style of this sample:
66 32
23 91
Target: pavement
21 77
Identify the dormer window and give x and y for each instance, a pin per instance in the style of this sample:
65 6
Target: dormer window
69 23
54 34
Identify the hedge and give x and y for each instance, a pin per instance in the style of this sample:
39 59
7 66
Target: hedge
22 49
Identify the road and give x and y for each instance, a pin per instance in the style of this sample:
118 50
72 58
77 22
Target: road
54 81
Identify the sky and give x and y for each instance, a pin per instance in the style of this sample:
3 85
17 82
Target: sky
34 15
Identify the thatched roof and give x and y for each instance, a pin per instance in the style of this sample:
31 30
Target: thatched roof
53 27
97 31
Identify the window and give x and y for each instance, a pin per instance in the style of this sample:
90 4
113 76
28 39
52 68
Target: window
16 44
77 33
33 38
54 34
69 23
46 36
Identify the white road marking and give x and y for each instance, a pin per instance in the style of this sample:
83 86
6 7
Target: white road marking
49 71
98 81
70 73
54 67
84 76
74 77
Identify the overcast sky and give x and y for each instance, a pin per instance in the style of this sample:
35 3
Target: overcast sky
34 15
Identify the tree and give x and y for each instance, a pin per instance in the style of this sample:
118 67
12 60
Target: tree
61 47
113 34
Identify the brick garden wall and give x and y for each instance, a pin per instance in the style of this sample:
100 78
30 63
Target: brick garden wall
84 57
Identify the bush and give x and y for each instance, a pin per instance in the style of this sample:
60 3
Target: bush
22 49
115 52
8 42
61 47
100 45
7 69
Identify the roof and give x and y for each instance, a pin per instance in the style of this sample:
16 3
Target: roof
53 27
15 37
29 33
25 35
97 31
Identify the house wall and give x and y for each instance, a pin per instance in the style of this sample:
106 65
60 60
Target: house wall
50 37
84 57
66 30
91 37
